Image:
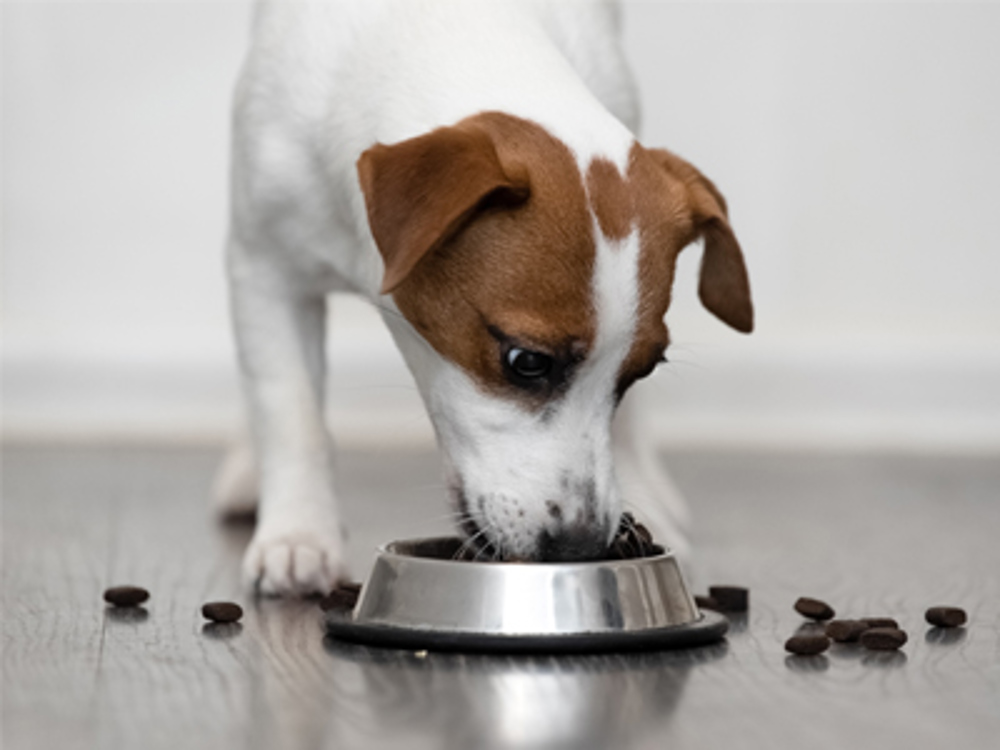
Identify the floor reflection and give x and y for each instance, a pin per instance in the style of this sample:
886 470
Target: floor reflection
506 702
884 659
813 663
128 615
221 631
944 636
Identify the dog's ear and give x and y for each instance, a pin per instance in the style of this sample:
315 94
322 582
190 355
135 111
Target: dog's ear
723 284
421 192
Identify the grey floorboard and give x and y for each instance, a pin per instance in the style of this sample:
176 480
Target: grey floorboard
872 535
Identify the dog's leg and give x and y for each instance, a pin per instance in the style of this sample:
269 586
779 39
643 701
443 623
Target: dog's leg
236 488
297 547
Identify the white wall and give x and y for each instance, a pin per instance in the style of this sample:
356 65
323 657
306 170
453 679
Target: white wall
856 144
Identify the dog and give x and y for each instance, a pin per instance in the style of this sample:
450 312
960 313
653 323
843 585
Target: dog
472 169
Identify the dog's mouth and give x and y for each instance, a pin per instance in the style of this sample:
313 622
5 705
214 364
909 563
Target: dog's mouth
630 540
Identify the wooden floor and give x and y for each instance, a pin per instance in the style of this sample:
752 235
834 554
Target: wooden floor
873 536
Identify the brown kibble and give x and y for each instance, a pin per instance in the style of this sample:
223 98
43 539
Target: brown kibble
619 550
644 534
126 596
222 611
807 645
730 598
846 631
814 609
880 622
883 639
946 617
706 602
632 540
345 596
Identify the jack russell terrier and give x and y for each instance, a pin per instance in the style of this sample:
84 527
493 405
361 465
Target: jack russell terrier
471 168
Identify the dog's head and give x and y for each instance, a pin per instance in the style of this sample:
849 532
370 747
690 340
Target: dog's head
540 286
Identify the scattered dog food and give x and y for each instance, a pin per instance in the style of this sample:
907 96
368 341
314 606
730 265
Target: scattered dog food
814 609
807 645
945 617
345 596
880 622
883 639
222 611
126 596
706 602
730 598
632 540
845 631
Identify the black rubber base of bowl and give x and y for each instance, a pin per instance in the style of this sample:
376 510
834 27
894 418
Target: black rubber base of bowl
709 629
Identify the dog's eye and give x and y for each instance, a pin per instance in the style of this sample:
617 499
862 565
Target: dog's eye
527 365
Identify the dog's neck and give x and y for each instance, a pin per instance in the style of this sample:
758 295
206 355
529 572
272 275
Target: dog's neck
490 57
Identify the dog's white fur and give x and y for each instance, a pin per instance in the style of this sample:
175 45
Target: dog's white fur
322 83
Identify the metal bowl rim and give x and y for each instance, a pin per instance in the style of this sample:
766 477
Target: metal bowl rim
384 551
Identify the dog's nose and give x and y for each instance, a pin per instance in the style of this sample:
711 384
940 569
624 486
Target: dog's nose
572 543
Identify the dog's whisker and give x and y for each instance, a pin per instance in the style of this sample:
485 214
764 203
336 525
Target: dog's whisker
680 364
468 543
450 517
471 542
484 548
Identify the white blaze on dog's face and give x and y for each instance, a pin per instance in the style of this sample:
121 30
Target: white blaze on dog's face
541 288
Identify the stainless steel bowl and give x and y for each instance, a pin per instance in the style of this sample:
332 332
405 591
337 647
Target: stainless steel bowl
418 596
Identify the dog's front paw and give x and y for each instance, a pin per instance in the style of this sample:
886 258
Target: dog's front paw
299 560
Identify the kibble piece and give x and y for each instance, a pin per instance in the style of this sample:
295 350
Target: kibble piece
628 548
946 617
730 598
814 609
126 596
845 631
883 639
632 540
807 645
645 535
345 596
222 611
706 602
880 622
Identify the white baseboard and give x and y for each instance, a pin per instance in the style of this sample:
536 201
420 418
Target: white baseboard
778 402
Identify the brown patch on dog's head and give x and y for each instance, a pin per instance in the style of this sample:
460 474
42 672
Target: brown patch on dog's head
421 192
723 284
612 199
486 235
671 204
